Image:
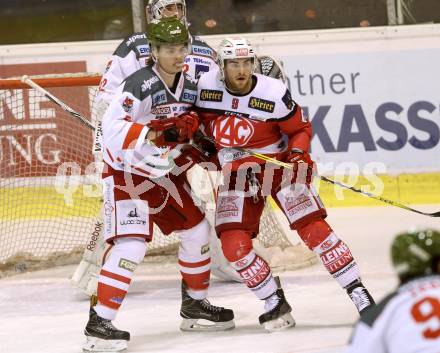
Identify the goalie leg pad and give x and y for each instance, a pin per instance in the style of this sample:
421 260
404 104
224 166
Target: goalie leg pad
116 274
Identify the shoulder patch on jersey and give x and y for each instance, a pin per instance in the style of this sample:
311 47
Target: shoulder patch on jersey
211 95
370 315
127 104
287 100
261 104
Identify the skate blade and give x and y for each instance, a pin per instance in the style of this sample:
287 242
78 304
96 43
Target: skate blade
201 325
98 345
283 322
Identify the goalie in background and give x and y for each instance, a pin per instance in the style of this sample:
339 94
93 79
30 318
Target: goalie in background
408 319
145 183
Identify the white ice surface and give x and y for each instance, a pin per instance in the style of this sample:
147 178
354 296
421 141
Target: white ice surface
39 312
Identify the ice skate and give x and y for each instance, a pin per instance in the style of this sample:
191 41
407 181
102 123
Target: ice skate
277 317
200 315
103 337
360 296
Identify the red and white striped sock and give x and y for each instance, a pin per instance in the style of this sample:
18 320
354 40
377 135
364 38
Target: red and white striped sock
195 259
116 274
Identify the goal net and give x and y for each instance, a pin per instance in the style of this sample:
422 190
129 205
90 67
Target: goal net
50 190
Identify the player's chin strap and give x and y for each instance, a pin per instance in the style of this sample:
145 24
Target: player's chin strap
334 182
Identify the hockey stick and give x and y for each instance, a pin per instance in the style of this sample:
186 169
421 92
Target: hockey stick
65 107
334 182
85 122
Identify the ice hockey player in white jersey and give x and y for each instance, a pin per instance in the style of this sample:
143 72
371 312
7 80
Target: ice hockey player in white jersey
407 320
131 55
241 109
144 129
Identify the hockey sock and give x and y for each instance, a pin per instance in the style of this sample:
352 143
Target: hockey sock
255 271
195 260
333 252
116 274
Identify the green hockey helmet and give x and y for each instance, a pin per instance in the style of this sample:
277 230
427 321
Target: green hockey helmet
167 31
416 253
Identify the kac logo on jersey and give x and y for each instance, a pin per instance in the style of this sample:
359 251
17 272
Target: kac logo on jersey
232 130
127 105
261 104
189 96
211 95
144 50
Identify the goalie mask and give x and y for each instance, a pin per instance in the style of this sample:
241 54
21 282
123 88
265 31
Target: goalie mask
416 254
157 9
234 48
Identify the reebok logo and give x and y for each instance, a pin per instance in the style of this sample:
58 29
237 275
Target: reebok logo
94 236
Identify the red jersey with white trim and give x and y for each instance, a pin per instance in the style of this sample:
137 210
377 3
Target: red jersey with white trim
266 120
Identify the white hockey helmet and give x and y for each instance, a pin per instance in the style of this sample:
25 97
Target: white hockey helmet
154 9
234 48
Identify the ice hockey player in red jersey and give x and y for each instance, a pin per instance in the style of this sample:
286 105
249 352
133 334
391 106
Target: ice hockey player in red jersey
240 110
408 319
143 132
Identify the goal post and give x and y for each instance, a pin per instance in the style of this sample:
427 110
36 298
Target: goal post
50 189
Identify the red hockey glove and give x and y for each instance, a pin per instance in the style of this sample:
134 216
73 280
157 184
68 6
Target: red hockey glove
172 131
303 165
188 124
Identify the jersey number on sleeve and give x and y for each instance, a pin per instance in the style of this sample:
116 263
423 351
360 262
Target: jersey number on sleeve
102 84
424 310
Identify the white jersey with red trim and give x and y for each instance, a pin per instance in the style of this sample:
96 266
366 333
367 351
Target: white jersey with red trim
266 120
141 98
133 53
406 321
